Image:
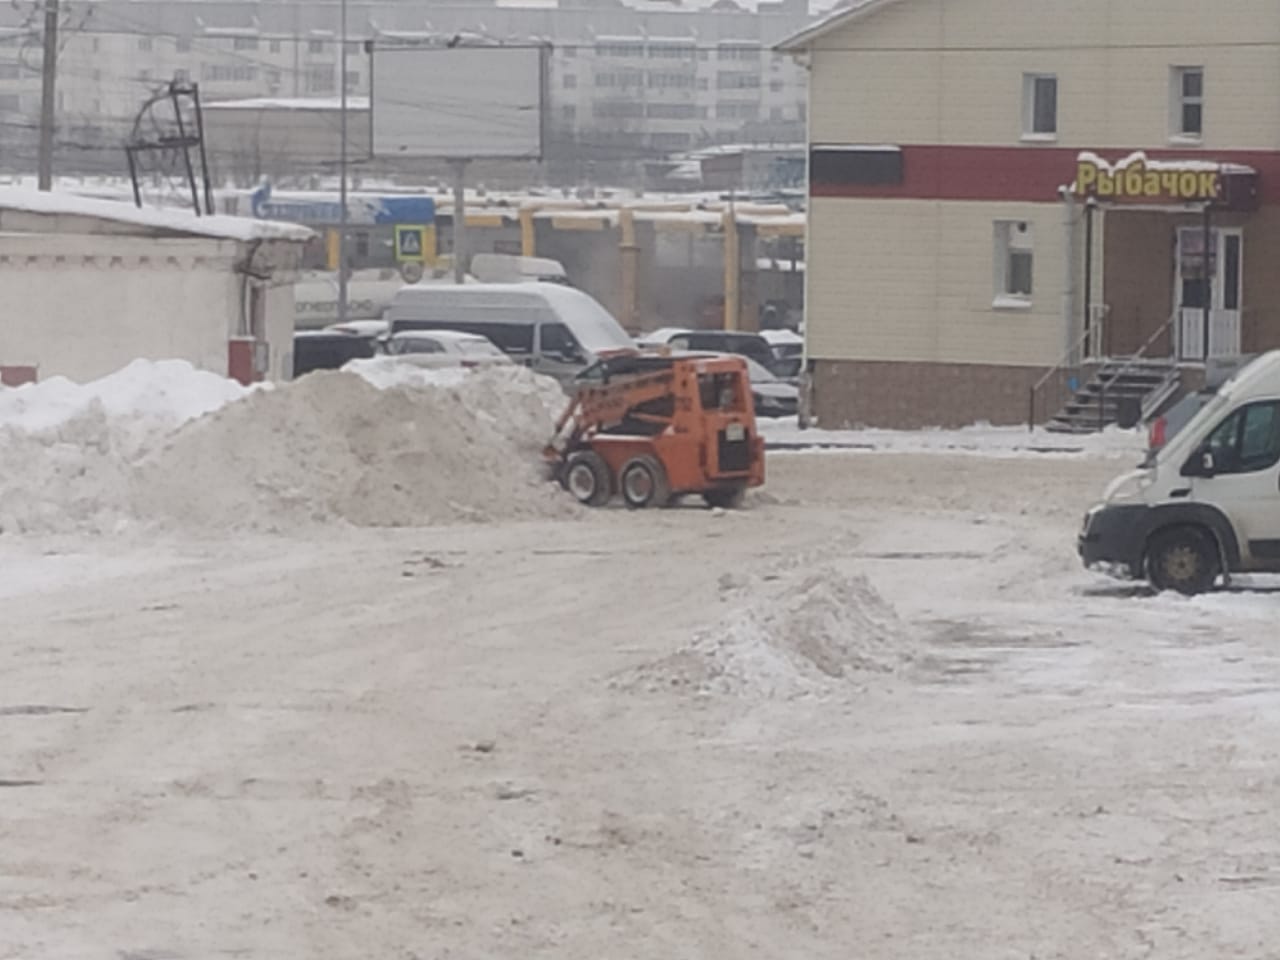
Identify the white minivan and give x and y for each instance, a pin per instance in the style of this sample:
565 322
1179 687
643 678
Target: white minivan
556 330
1207 504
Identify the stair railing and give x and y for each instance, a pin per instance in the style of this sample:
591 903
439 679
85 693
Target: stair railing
1059 375
1132 361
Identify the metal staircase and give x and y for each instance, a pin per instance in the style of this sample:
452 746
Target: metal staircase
1137 386
1091 395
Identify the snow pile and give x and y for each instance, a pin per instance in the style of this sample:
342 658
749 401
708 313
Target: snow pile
334 447
67 449
138 403
164 444
812 632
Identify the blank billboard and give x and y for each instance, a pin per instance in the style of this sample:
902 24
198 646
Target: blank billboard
458 103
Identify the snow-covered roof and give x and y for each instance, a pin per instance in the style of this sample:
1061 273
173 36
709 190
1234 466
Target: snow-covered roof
162 219
290 103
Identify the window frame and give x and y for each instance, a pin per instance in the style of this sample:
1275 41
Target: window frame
1239 466
1179 101
1030 102
1003 250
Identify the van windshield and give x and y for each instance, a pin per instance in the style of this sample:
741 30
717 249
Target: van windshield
592 325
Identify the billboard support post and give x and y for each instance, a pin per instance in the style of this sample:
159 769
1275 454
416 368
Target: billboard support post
459 168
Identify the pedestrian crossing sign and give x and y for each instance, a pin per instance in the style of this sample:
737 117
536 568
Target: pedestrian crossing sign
411 245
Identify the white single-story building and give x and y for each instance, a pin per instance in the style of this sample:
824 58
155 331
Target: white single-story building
87 285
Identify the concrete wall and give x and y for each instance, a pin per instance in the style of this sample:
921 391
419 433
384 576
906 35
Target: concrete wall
84 306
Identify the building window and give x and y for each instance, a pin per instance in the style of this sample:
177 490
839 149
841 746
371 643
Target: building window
570 81
97 45
1013 263
1188 102
1040 105
569 113
222 73
353 80
671 141
244 43
182 76
315 46
738 52
144 43
321 79
274 46
182 45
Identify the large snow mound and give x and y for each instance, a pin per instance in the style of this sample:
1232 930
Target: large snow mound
801 633
162 444
140 402
334 447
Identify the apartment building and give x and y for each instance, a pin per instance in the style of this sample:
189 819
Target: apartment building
673 93
647 77
1004 188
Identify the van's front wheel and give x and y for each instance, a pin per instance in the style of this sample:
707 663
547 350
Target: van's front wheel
1184 560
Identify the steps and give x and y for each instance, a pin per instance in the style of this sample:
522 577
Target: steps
1117 382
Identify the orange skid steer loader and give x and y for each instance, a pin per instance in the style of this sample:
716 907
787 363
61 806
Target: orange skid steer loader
655 426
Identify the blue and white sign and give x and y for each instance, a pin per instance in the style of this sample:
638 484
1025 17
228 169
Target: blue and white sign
325 209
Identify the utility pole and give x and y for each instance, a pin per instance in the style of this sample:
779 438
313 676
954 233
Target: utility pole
49 71
342 170
459 220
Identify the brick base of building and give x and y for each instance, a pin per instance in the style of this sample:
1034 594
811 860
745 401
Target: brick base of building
909 395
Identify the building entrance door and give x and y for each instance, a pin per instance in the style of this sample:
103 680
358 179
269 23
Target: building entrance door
1216 332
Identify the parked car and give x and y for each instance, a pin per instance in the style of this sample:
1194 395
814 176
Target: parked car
788 352
750 345
443 348
1208 503
773 396
328 349
1166 426
555 330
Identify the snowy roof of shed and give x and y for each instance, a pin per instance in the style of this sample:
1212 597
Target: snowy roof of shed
164 220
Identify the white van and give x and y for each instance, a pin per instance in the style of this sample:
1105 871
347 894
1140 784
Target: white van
555 330
1207 504
508 268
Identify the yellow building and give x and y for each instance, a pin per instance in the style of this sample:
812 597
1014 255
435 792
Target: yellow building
1005 193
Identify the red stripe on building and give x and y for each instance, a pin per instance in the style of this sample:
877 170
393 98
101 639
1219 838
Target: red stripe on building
1024 174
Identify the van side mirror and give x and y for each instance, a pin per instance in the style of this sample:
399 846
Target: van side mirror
1200 464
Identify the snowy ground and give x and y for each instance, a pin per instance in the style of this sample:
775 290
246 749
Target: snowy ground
589 737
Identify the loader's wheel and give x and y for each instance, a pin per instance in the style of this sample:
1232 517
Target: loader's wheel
587 477
644 483
727 498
